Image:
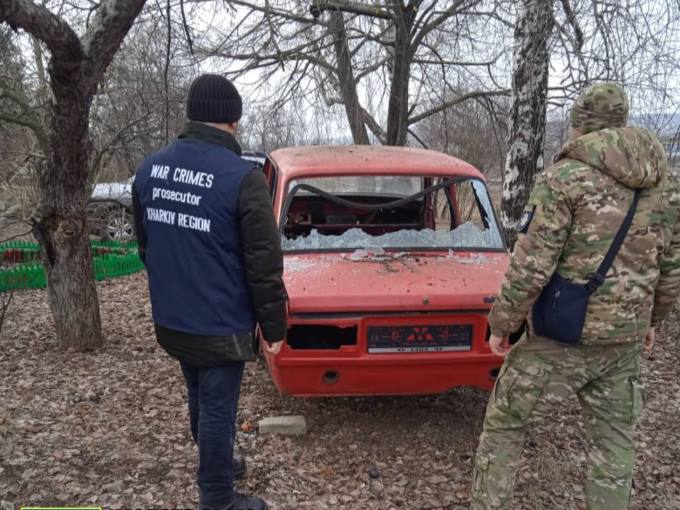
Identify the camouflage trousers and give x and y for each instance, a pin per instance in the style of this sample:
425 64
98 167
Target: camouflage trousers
539 374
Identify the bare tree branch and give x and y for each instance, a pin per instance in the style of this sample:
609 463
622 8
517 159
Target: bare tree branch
21 121
187 32
278 12
458 100
166 70
571 18
16 236
40 22
375 128
441 18
417 138
99 156
350 7
29 116
105 34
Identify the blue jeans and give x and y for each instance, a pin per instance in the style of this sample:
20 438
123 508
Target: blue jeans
213 400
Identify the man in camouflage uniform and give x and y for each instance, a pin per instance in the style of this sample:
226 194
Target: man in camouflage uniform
573 214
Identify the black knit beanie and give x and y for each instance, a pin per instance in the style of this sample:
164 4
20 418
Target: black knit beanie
213 98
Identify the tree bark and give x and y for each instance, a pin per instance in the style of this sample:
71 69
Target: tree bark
60 221
529 92
398 106
348 85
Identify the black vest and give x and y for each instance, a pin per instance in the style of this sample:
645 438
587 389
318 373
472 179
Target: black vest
188 193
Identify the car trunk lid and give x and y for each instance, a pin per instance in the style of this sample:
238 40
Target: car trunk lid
378 281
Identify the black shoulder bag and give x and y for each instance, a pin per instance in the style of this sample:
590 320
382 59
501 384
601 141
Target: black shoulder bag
560 311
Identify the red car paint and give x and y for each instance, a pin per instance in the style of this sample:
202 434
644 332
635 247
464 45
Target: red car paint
424 288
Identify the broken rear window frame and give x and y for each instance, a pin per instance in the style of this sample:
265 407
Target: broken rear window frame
448 181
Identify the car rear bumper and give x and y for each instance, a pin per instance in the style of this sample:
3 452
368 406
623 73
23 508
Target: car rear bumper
352 370
337 377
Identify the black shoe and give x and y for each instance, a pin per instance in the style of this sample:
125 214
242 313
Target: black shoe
239 467
243 502
240 502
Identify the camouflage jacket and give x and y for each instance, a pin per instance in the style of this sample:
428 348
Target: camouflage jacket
573 214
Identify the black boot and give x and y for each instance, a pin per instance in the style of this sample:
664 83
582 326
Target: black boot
239 467
240 502
243 502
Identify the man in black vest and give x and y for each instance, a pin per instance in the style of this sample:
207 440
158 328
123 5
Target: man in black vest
208 238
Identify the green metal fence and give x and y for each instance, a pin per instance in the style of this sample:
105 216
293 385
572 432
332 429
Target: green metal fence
24 270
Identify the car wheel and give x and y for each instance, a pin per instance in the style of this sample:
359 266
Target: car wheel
119 225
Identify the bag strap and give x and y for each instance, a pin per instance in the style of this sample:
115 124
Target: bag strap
596 279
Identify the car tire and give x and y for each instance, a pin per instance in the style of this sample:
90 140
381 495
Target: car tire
119 226
112 222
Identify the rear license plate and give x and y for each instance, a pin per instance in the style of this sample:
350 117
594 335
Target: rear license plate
383 339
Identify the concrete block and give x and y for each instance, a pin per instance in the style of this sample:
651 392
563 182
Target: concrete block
286 425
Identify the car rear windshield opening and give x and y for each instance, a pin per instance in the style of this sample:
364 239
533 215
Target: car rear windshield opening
389 212
320 337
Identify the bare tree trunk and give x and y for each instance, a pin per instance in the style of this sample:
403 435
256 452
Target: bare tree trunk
348 85
60 222
398 106
529 92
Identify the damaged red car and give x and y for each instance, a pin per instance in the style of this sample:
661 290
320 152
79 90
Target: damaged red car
393 257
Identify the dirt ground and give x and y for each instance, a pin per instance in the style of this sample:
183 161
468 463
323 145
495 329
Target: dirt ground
111 429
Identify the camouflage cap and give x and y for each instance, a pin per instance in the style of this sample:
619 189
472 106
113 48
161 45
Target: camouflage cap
601 106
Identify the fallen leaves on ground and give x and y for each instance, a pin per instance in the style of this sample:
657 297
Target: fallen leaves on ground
111 428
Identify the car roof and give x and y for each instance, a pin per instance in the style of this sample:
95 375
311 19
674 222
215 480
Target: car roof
329 160
255 157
